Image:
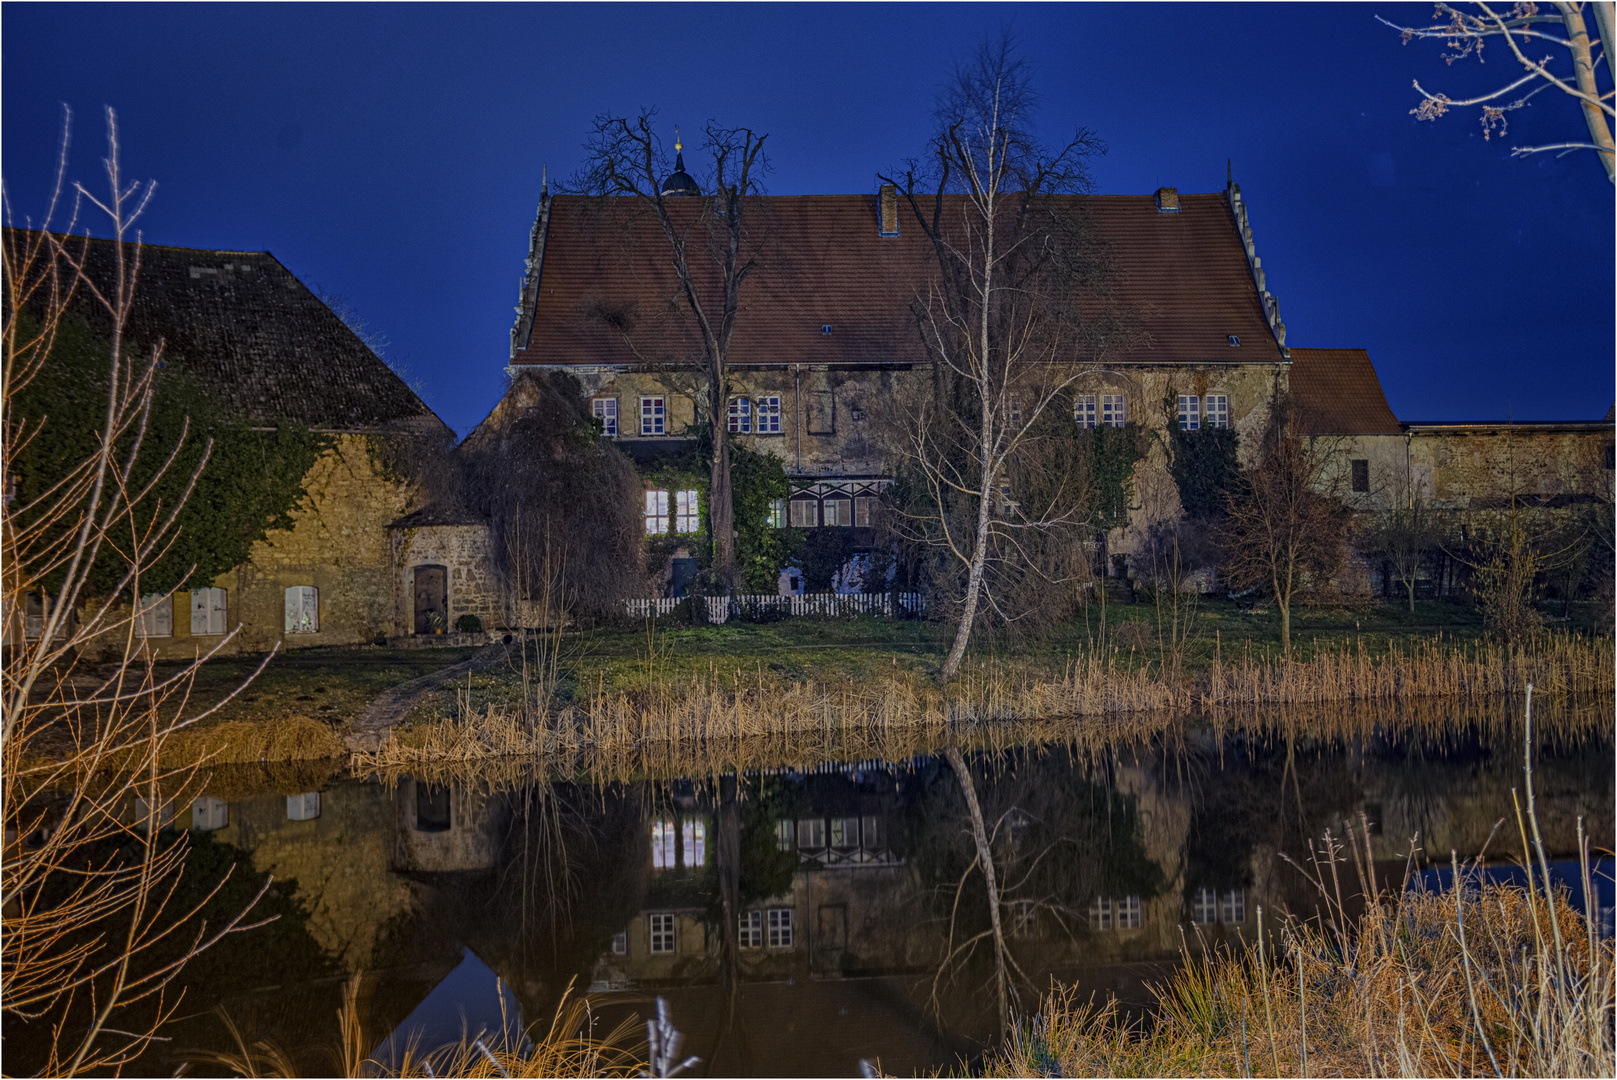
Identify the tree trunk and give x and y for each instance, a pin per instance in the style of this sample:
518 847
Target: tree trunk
974 583
1583 67
985 855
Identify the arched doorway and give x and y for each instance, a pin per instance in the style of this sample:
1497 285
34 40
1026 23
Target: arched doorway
431 598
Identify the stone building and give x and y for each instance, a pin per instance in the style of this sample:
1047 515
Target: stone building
253 334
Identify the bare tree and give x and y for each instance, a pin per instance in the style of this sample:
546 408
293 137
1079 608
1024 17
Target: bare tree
1287 527
625 157
1526 30
84 920
1002 324
1405 537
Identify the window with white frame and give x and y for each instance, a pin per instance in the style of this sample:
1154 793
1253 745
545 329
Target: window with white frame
1232 907
861 511
783 834
1216 411
752 930
620 943
304 807
780 928
811 833
1190 412
1204 911
656 513
695 836
1100 913
1114 410
1084 410
845 832
777 514
660 925
207 612
805 513
838 510
1128 913
302 609
769 416
208 814
156 616
869 831
606 411
662 844
687 511
653 415
740 416
1022 917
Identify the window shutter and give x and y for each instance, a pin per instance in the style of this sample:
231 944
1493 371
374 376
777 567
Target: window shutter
199 611
216 610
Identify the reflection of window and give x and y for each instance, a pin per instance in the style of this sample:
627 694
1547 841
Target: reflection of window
304 807
1216 408
687 511
811 833
1128 913
662 844
661 926
769 416
783 835
1022 913
740 416
1084 410
208 814
871 839
695 843
1232 908
432 812
620 943
1190 413
207 612
1100 913
777 514
606 411
805 513
656 513
1114 410
1205 909
780 928
752 930
156 616
844 832
653 414
838 511
302 609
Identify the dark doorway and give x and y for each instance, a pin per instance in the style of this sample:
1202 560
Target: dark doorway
431 598
680 575
432 813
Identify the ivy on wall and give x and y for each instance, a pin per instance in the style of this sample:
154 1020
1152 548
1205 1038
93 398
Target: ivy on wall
1204 466
1113 452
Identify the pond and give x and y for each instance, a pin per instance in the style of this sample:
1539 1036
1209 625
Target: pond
802 914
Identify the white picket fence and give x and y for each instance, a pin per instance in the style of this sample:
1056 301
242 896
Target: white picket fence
822 605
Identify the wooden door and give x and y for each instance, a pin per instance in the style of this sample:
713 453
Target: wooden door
430 597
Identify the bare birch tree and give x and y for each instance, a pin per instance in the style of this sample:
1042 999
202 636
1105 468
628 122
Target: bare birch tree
1526 30
712 253
1001 322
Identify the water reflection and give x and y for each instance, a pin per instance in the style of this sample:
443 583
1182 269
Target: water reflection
800 918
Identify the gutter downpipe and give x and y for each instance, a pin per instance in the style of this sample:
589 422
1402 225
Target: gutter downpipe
797 410
1409 468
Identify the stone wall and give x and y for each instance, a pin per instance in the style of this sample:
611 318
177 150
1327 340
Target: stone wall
463 551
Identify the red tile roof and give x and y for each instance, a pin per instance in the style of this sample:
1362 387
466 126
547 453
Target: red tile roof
1336 392
822 262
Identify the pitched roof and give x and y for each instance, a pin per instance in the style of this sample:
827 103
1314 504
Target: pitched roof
252 332
1336 392
608 294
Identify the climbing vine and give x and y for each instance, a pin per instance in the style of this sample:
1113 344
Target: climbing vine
1113 452
1203 463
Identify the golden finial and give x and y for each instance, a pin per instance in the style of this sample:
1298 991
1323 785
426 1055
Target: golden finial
678 146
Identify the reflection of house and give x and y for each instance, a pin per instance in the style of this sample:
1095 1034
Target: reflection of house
445 828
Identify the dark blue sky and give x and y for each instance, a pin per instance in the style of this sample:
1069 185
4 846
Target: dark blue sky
392 154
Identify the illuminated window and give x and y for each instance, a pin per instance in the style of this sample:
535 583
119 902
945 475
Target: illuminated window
1084 410
783 835
661 926
845 832
780 928
688 511
1100 913
606 411
805 513
872 839
302 609
740 416
811 833
777 514
752 930
662 844
656 513
1205 909
156 617
1128 913
207 612
838 511
1190 413
1217 410
1114 410
769 416
861 511
695 843
653 415
1232 908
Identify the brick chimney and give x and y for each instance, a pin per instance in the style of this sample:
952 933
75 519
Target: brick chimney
888 224
1167 200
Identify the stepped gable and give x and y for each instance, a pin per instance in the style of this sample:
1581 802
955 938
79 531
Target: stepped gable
606 293
1337 392
252 332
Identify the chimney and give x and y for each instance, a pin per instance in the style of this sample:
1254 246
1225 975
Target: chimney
1167 200
888 225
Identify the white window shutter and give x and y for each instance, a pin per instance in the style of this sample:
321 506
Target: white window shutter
217 609
199 611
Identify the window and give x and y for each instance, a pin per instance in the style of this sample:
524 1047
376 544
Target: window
870 834
752 930
156 616
656 513
695 836
688 511
1216 410
653 415
1205 909
1361 474
1022 917
620 943
302 609
304 807
780 928
1128 913
740 416
783 835
662 844
769 416
1233 907
208 814
1190 413
838 510
606 411
1100 913
861 511
434 809
811 833
661 925
805 513
207 612
845 832
777 514
33 619
1114 410
1084 410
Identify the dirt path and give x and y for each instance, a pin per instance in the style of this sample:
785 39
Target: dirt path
391 706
